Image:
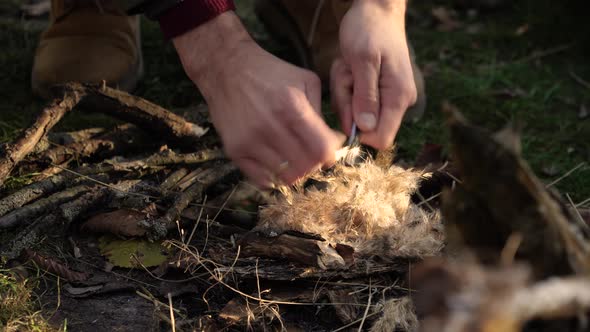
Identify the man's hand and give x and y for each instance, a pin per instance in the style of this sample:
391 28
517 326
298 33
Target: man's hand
266 111
373 82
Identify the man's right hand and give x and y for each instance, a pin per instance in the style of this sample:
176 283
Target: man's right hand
266 111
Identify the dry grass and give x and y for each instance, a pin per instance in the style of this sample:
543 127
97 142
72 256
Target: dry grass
365 206
17 306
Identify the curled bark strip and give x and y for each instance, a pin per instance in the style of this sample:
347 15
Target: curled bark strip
53 266
22 215
159 227
15 152
144 114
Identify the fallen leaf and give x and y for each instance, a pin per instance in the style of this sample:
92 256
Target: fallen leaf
132 252
123 222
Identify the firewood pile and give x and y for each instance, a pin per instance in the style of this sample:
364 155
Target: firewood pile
476 243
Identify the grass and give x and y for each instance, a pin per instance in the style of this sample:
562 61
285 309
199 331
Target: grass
473 70
18 310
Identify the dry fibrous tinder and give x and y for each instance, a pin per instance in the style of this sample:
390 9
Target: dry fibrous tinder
365 206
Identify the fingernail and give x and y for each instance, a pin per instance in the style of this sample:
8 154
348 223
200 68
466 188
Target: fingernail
367 121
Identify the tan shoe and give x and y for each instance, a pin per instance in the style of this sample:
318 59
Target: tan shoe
88 41
311 27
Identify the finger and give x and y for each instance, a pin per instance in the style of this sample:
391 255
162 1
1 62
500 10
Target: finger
313 90
287 150
365 96
389 124
313 133
341 90
256 172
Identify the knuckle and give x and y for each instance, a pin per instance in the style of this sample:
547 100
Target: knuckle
369 54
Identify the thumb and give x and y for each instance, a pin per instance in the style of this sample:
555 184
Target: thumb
365 96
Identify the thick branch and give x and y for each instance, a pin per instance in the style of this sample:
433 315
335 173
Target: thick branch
144 114
26 142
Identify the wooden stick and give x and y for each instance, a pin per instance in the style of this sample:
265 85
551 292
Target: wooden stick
15 152
159 227
28 212
144 114
61 181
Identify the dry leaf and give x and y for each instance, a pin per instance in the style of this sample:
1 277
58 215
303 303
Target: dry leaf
123 222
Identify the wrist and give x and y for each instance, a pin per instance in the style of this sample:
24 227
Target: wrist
207 49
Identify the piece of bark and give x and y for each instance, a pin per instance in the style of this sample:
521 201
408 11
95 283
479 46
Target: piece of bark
136 110
124 138
14 152
158 228
293 248
25 214
499 195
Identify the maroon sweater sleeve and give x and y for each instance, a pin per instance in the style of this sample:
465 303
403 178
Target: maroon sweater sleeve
188 14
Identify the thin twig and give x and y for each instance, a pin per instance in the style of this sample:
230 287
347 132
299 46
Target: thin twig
367 308
565 175
580 219
171 313
579 80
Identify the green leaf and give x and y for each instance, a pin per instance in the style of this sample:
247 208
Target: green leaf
132 252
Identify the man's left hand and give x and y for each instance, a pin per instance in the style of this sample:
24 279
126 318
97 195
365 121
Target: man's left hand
373 83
